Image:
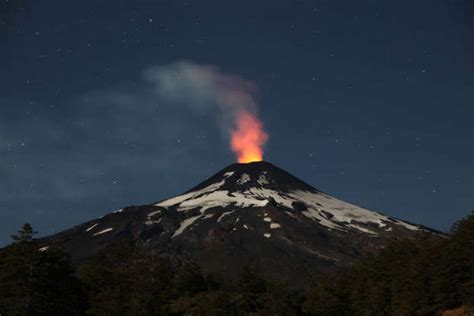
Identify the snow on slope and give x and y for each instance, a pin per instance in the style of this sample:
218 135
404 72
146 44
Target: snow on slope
326 210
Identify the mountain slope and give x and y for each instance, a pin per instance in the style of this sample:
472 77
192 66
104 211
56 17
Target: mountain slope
252 214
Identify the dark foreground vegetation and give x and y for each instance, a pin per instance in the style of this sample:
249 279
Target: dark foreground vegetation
410 277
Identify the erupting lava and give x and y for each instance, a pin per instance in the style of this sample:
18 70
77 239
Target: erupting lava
248 138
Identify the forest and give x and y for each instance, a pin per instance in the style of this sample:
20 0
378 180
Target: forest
421 276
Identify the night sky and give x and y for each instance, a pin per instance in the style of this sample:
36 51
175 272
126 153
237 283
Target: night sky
371 102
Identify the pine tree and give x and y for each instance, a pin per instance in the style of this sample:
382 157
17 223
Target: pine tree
37 281
25 234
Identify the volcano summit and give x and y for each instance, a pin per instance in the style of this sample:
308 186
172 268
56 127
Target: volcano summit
253 214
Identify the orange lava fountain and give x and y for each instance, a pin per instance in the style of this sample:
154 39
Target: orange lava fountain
248 138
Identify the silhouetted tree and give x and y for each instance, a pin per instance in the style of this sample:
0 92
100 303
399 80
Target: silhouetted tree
420 276
25 234
36 280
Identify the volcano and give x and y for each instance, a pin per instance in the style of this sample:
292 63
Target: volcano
246 215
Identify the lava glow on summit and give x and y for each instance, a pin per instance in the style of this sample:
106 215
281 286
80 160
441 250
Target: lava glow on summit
248 137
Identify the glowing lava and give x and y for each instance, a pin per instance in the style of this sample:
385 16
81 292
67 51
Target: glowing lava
248 138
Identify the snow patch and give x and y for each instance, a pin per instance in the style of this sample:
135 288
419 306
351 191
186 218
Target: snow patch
208 216
343 214
244 178
267 235
262 180
92 227
43 248
245 226
363 229
275 226
151 222
180 198
154 213
406 225
185 224
228 174
224 215
267 219
104 231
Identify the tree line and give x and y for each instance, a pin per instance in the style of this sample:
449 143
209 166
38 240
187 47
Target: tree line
421 276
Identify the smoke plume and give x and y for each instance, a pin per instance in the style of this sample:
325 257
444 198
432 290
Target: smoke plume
207 88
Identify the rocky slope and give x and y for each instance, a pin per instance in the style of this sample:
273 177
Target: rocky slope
252 214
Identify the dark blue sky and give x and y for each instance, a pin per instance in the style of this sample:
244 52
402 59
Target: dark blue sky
371 102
